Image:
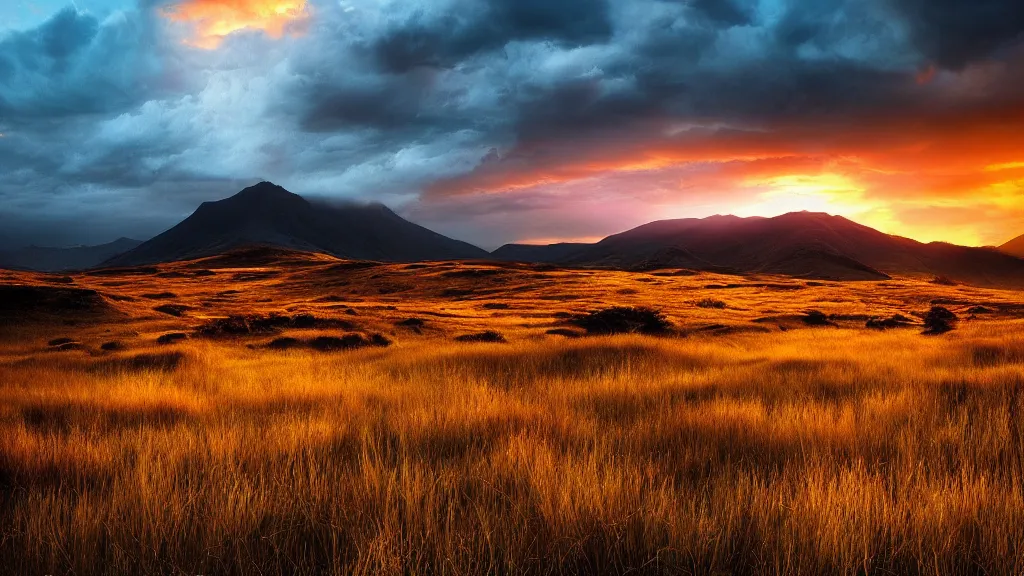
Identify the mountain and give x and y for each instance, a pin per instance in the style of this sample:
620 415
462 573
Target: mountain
45 259
267 214
802 244
537 252
1014 247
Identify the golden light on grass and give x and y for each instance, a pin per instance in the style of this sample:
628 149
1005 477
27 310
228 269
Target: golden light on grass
759 446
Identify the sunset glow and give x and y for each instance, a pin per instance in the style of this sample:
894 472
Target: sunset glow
213 20
502 121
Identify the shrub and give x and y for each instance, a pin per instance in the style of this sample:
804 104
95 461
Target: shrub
566 332
896 321
255 324
816 318
488 336
171 338
348 342
333 343
624 320
160 296
172 309
711 303
939 320
285 343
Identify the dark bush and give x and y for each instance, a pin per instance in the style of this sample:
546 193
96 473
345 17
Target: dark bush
304 321
566 332
334 343
285 343
980 310
624 320
939 320
254 324
113 346
171 338
711 303
60 341
160 296
412 323
172 309
897 321
944 281
488 336
816 318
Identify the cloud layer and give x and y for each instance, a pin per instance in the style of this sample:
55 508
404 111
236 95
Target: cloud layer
503 120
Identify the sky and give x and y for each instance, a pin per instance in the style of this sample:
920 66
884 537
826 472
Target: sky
496 121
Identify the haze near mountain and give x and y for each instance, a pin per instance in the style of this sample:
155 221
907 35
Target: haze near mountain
46 259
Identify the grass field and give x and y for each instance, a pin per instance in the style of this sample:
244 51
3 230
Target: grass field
726 447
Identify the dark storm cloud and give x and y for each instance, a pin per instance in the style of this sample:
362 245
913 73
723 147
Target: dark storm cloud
954 33
388 103
73 64
474 26
729 12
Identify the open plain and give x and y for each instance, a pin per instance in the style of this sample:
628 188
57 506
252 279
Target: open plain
271 412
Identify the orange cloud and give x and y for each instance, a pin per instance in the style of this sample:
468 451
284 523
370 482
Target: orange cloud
958 178
213 20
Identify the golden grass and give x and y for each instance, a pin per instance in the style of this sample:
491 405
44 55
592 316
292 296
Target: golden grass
817 451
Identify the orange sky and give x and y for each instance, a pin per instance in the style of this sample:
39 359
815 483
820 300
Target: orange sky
213 20
957 178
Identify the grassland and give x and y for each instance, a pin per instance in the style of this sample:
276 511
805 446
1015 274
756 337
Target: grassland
746 442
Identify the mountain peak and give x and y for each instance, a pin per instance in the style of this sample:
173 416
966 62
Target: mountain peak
1014 247
268 215
265 190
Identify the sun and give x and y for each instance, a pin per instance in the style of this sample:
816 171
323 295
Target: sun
831 193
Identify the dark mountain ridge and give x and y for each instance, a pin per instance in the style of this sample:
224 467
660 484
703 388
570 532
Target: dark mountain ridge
802 244
267 214
1014 247
47 259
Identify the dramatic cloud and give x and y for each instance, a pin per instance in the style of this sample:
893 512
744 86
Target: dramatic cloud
213 20
503 120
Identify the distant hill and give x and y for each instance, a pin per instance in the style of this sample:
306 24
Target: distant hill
802 244
537 252
269 215
45 259
1014 247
